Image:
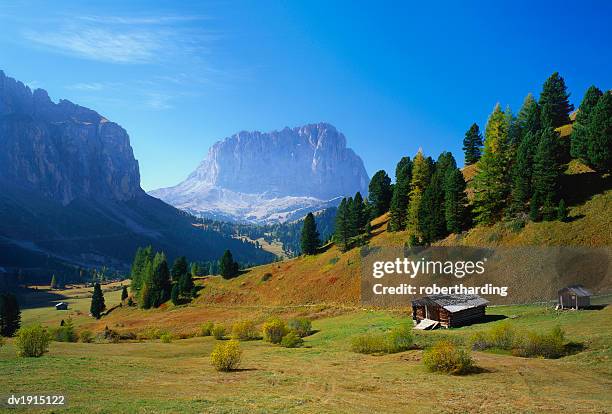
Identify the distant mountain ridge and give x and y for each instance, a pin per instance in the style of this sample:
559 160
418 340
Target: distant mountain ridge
71 197
271 177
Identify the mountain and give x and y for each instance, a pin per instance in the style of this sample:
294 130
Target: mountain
271 177
71 194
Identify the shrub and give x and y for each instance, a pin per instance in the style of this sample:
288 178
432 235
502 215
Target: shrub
301 326
244 331
218 331
86 336
32 341
206 329
445 357
226 356
400 339
273 330
397 340
64 333
166 338
547 345
109 335
292 340
502 336
480 341
266 277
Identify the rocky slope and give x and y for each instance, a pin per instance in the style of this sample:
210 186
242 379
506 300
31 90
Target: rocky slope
275 176
71 193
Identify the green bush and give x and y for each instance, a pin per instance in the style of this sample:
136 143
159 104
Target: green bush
244 331
546 345
218 331
396 340
32 341
206 329
502 336
64 333
480 341
166 338
226 356
445 357
86 336
292 340
273 330
301 326
151 333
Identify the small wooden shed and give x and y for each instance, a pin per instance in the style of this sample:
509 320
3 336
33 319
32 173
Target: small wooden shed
61 306
574 297
449 310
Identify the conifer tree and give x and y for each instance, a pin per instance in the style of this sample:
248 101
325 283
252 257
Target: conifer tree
528 118
124 293
491 186
421 174
380 193
562 211
455 201
310 236
227 267
140 267
10 314
554 101
431 215
97 302
600 134
185 285
360 213
53 284
160 284
175 294
342 234
179 268
547 173
522 171
401 194
580 129
472 145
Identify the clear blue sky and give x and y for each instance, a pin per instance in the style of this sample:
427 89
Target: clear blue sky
392 76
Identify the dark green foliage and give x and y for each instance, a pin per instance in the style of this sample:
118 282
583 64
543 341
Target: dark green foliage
547 173
580 129
310 236
359 214
522 171
65 332
528 118
352 223
472 145
534 208
10 314
554 101
432 222
380 193
600 135
175 294
455 201
227 267
562 211
186 286
179 268
159 283
140 267
124 293
342 234
401 195
97 302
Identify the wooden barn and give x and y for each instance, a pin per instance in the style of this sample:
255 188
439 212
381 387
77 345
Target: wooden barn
449 311
61 306
574 297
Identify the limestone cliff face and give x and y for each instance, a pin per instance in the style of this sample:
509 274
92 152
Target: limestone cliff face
257 176
63 150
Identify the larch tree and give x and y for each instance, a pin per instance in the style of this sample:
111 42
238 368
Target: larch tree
421 174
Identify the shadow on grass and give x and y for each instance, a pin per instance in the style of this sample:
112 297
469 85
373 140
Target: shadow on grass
596 307
573 348
485 319
242 370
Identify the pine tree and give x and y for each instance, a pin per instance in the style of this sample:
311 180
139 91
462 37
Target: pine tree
179 268
401 194
491 187
562 211
10 314
342 227
160 285
580 132
97 302
421 174
455 201
554 101
53 284
175 294
600 134
360 213
528 118
227 267
472 144
185 285
310 236
124 293
547 173
522 171
431 215
140 265
380 193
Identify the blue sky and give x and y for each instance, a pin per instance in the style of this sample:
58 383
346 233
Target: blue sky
392 76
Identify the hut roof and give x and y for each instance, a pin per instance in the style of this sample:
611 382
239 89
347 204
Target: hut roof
452 303
578 290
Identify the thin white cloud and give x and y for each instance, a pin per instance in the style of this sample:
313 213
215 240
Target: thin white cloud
142 20
89 86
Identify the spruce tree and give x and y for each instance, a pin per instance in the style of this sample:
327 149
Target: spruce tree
491 186
380 193
124 293
522 171
528 118
140 266
185 285
547 173
175 294
179 268
160 284
310 236
421 174
472 145
580 129
401 194
554 101
97 302
342 226
562 211
360 213
455 201
431 215
10 314
227 267
600 134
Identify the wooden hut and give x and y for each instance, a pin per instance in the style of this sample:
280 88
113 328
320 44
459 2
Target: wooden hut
449 310
61 306
574 297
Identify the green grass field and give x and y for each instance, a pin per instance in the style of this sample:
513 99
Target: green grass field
324 376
